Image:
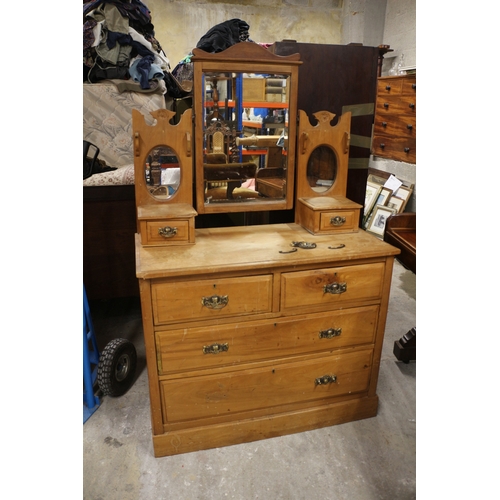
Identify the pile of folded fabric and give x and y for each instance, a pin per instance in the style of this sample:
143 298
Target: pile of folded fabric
119 43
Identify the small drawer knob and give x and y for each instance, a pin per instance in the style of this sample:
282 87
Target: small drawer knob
412 105
414 86
384 124
388 87
407 150
386 105
409 126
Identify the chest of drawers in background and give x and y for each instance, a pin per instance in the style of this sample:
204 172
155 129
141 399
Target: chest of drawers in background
246 340
395 126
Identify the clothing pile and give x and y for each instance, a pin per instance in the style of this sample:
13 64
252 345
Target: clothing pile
119 43
218 38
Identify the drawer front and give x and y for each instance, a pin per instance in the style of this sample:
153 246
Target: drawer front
400 149
265 387
388 106
176 231
328 287
396 126
217 346
409 86
211 299
339 221
408 104
389 87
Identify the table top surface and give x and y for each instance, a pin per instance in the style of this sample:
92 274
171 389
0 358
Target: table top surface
262 247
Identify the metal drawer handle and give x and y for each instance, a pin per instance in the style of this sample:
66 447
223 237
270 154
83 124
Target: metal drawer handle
382 145
386 105
215 301
215 348
409 126
330 333
335 288
384 124
407 150
167 231
414 86
337 221
387 87
326 379
412 105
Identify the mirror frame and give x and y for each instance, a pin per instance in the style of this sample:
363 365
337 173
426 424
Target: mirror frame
244 57
163 133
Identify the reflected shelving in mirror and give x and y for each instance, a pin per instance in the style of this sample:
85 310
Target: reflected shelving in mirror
243 98
162 172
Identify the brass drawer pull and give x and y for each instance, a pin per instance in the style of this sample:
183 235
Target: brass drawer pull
215 301
326 379
335 288
330 333
167 231
337 221
303 244
215 348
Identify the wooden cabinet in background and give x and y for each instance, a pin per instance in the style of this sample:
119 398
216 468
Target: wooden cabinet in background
395 127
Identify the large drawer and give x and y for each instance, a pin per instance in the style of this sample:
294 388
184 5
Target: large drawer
216 346
207 396
211 299
328 287
396 148
399 125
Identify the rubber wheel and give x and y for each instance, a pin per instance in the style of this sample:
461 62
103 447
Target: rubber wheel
116 367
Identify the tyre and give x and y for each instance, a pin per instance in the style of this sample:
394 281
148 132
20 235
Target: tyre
116 367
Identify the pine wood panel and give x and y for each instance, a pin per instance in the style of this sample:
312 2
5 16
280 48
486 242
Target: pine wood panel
306 288
212 395
180 301
182 350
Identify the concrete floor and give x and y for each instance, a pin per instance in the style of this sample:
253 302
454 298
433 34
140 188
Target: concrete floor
369 459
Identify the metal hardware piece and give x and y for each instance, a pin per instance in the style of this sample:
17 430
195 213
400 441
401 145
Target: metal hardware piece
326 379
336 248
215 301
288 251
215 348
167 231
387 87
330 333
303 244
335 288
337 221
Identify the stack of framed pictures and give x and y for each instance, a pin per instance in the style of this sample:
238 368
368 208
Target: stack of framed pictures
381 201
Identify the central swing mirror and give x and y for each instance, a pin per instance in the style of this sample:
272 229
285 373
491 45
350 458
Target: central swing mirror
245 113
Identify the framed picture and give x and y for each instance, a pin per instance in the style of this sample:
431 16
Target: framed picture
371 196
404 193
378 219
383 196
396 203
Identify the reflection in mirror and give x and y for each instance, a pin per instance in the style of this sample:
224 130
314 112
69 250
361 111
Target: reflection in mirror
322 169
163 173
245 137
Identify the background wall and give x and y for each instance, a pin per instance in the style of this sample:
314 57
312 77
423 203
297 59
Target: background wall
179 24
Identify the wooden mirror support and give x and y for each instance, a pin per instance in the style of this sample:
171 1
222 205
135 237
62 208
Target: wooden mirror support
163 172
322 165
244 162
